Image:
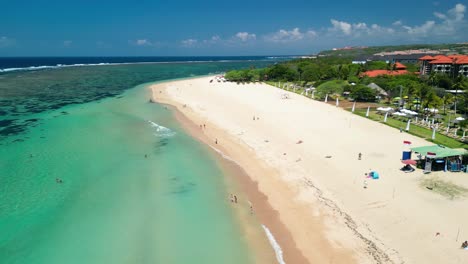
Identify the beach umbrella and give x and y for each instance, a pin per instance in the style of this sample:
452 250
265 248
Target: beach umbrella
385 118
337 102
408 125
367 113
326 98
459 118
409 162
433 132
354 106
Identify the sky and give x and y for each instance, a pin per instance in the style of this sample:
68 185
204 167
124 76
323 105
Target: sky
221 28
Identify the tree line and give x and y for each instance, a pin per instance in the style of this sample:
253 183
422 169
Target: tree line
426 91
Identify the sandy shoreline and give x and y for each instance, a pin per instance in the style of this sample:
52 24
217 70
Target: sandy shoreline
323 213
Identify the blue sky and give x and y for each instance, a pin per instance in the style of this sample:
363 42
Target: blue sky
242 27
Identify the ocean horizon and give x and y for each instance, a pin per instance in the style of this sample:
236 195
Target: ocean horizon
91 171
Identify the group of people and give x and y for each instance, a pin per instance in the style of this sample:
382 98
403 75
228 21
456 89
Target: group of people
234 200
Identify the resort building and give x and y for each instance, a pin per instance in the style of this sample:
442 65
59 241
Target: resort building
453 65
398 69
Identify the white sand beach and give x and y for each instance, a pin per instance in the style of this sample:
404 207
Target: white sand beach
303 155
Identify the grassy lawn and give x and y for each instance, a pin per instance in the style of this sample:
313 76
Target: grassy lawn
414 130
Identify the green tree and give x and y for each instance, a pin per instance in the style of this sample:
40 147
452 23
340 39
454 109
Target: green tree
448 99
363 93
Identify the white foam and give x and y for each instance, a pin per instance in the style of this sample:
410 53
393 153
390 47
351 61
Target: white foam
161 131
225 156
275 245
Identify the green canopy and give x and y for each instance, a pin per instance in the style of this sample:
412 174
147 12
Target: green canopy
440 151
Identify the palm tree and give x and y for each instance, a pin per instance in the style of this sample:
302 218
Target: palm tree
447 99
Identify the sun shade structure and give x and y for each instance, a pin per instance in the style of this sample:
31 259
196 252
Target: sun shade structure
440 151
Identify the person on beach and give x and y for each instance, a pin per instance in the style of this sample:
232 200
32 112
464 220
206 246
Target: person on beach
359 156
365 183
253 118
204 125
464 245
58 180
235 199
251 208
216 141
232 198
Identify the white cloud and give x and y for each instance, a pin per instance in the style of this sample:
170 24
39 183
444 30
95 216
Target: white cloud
451 24
342 26
397 23
213 40
189 42
5 42
143 42
67 43
293 35
245 36
423 29
440 15
458 12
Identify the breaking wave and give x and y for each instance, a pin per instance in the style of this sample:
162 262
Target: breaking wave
161 131
275 245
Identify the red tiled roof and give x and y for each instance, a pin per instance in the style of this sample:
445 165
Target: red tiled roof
442 60
462 60
427 57
438 57
457 56
376 73
399 66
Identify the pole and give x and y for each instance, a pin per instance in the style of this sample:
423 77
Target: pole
401 99
326 98
385 118
408 125
433 132
354 106
367 113
337 102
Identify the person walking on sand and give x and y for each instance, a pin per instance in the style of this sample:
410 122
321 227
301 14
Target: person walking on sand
235 199
359 156
216 141
253 118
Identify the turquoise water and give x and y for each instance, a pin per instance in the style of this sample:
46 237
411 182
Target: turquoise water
135 188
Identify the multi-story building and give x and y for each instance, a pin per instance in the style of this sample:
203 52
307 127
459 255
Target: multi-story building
453 65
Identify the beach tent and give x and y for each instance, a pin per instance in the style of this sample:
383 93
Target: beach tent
378 89
440 151
445 158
